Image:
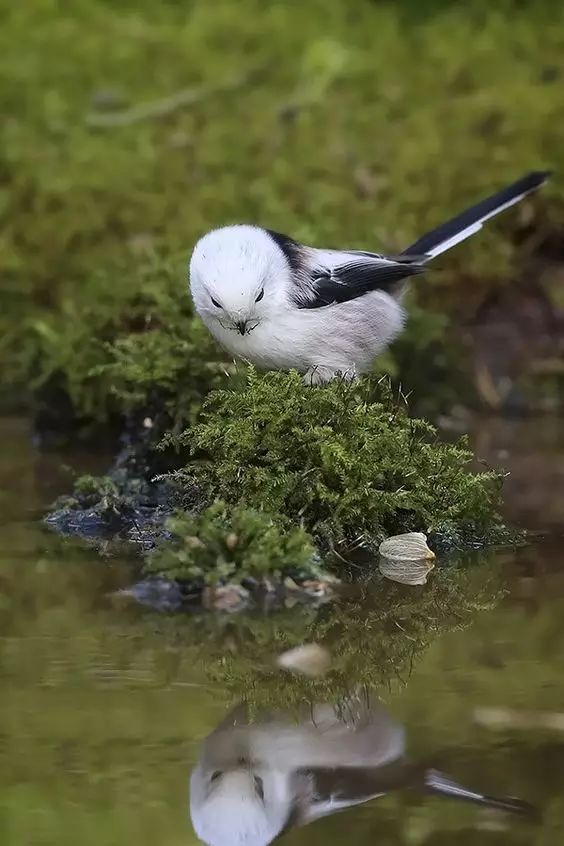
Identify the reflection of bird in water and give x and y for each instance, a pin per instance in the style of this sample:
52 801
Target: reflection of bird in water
254 781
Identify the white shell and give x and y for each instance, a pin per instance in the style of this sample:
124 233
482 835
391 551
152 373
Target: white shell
310 660
412 546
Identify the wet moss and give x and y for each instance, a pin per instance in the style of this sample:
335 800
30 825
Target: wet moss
345 460
230 545
262 489
102 508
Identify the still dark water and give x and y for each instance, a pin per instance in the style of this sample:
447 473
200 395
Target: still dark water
103 706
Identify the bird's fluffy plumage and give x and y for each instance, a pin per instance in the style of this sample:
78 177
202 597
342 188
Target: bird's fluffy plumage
280 304
231 264
288 758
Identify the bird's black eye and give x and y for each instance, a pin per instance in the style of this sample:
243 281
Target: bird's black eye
215 302
217 774
259 789
260 296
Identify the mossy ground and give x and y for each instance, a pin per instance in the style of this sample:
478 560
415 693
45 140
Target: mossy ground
263 491
358 125
226 545
345 460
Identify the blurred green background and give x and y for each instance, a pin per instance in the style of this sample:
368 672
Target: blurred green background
130 129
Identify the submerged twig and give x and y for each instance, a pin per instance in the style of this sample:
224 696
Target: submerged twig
165 105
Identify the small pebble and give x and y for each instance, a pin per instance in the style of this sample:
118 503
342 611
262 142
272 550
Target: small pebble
310 660
230 598
231 541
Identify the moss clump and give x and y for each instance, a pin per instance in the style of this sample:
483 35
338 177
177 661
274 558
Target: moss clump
98 495
344 459
122 505
139 351
223 544
272 470
98 507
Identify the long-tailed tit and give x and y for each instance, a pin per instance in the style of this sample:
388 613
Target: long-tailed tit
254 781
280 304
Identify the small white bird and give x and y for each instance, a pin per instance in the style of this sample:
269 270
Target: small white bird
280 304
255 780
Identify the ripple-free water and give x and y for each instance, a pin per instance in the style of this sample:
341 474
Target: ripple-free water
103 707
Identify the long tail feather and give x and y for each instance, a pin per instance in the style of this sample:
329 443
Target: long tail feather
470 221
439 784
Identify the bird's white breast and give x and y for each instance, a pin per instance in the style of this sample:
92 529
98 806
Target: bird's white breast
343 337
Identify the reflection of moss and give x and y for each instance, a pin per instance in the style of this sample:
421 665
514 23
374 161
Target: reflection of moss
344 459
230 544
106 710
374 638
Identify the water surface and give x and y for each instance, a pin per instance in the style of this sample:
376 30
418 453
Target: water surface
103 706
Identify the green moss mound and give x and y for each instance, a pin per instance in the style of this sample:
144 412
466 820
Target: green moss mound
222 544
277 479
345 460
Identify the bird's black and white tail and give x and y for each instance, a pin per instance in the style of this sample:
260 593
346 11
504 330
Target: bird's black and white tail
440 785
470 221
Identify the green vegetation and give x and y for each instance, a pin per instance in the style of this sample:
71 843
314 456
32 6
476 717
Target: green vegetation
355 126
222 544
151 355
255 484
95 492
346 460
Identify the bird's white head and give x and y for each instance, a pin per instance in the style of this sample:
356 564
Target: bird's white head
238 276
239 807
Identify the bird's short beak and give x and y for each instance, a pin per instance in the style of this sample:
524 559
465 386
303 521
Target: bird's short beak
242 326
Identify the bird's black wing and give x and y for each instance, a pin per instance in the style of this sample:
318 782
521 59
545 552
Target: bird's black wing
354 277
